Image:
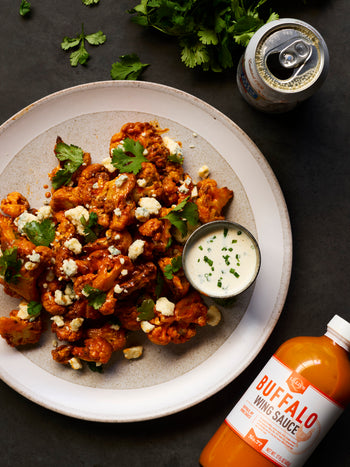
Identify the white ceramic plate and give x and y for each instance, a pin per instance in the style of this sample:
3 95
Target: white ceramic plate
171 378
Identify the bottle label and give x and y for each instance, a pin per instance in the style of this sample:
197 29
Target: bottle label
282 415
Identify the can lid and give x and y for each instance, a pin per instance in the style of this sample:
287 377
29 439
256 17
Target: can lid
339 329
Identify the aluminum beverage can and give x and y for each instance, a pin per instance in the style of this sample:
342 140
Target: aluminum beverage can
285 62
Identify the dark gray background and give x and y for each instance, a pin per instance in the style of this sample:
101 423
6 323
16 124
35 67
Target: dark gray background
308 150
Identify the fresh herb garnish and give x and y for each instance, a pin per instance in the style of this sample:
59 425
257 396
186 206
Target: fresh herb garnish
146 310
128 67
234 272
90 2
34 309
184 212
40 233
176 157
173 267
91 227
126 163
10 265
95 297
81 55
207 32
73 155
208 260
25 8
94 367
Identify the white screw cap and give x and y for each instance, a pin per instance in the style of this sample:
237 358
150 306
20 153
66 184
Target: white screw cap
339 330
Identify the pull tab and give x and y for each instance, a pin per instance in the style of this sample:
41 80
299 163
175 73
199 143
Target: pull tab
295 54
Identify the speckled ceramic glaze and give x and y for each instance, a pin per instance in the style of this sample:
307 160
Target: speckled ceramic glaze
170 378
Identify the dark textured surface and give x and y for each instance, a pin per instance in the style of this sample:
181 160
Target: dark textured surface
308 150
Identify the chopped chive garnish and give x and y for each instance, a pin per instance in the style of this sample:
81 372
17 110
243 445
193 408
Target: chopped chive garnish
200 247
207 260
239 232
234 272
234 241
225 231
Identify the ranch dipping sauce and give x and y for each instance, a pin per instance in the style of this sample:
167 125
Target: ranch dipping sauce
221 259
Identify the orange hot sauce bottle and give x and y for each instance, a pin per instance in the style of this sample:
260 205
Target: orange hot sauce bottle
274 423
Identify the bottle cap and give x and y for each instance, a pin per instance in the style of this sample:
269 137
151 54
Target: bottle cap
340 329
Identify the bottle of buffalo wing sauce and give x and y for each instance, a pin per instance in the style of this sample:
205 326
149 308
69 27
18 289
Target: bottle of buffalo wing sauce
290 406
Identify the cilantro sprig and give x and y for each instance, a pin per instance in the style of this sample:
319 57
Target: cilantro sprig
123 161
10 265
81 55
128 67
73 158
40 233
25 8
95 297
91 227
185 212
173 267
208 32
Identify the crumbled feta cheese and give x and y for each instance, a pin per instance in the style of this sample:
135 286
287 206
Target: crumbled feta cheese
122 260
194 192
69 267
124 272
142 214
136 249
34 257
117 212
152 205
145 152
147 327
120 180
118 289
62 299
50 276
117 237
133 352
29 266
203 172
23 219
107 163
73 245
115 327
113 250
43 213
76 323
183 189
213 316
165 307
75 215
58 320
141 182
23 311
75 363
174 147
95 185
69 292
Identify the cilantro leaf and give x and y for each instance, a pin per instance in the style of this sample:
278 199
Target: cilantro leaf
34 309
126 163
25 8
146 310
81 55
184 212
90 2
173 267
95 297
40 233
10 265
73 156
91 227
129 67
